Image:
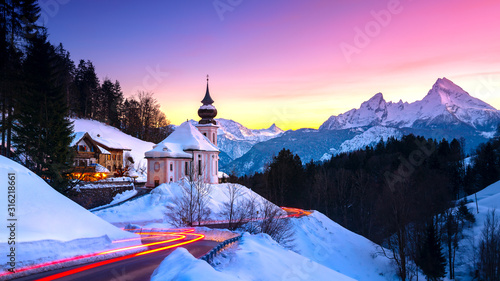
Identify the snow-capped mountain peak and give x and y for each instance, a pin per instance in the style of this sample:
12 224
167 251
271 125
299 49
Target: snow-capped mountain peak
444 105
447 93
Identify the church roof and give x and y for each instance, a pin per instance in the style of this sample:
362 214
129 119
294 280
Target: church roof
207 99
184 139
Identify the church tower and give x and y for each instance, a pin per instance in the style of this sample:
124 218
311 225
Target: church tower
207 125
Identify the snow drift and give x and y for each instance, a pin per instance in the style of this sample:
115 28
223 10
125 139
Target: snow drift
48 224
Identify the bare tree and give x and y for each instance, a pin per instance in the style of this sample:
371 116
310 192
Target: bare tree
489 249
275 224
184 210
232 208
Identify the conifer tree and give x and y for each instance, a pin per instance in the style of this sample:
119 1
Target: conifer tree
43 131
431 258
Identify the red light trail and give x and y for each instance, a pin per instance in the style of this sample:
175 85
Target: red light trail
177 235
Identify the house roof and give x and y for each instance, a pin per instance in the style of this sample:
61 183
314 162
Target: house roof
77 136
103 151
97 141
109 144
185 138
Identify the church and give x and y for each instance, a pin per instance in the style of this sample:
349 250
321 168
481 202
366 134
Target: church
189 152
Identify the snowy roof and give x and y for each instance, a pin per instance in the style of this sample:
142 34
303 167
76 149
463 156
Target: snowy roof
77 136
222 175
101 169
185 138
103 151
109 144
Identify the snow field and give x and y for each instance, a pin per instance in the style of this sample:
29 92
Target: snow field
50 226
257 257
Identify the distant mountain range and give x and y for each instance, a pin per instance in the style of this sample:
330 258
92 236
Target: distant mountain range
447 111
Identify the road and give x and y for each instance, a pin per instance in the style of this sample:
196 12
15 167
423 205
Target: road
138 266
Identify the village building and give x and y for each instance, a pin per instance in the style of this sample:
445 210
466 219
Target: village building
95 158
113 159
189 152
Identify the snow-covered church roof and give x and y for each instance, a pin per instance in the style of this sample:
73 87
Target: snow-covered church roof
185 138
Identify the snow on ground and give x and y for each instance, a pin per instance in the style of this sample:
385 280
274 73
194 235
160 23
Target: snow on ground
488 199
48 223
326 242
154 206
112 134
257 257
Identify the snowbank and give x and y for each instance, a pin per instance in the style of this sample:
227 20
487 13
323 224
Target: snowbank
47 220
488 199
153 207
257 257
326 242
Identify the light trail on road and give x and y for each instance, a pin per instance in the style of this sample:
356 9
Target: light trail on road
178 239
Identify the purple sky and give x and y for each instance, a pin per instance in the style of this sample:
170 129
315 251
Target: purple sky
289 62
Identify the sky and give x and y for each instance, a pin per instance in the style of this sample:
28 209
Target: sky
289 62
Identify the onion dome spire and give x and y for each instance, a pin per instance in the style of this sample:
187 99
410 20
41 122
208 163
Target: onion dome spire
207 111
207 99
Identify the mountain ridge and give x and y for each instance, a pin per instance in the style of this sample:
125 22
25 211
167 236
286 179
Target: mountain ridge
445 102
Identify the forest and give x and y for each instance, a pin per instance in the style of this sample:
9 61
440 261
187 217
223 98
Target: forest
407 194
41 88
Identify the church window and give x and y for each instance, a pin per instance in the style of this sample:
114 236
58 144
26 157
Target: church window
171 167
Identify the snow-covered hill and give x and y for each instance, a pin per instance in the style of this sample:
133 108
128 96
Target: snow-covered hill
445 104
154 206
102 131
322 250
49 226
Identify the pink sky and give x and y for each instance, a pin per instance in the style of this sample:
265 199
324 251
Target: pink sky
281 61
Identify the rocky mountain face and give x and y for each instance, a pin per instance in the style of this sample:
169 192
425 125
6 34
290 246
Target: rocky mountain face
446 104
447 111
236 139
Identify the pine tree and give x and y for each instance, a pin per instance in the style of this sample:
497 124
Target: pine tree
17 24
43 131
431 258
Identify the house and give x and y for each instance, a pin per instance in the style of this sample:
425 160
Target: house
96 157
189 152
86 160
114 157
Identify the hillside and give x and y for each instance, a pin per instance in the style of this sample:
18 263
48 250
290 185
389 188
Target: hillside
49 225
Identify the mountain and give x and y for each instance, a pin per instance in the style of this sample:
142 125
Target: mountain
447 111
236 139
446 104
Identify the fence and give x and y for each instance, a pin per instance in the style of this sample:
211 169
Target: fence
219 248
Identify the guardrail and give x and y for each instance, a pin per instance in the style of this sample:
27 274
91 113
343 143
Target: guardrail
209 257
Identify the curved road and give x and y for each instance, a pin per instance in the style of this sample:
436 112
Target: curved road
138 266
141 265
